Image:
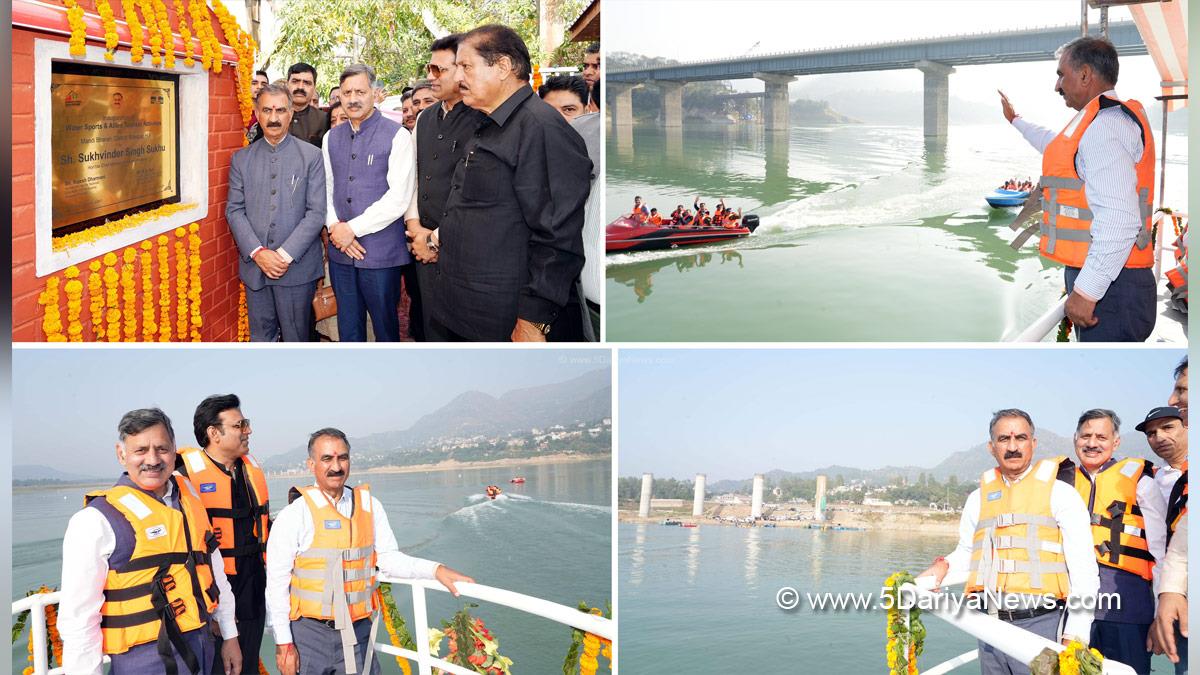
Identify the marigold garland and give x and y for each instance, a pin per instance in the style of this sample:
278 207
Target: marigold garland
164 30
156 38
194 286
471 645
136 47
111 39
112 315
184 32
905 639
51 318
74 289
1077 659
93 234
95 300
396 627
129 296
243 320
54 655
586 647
164 289
149 327
78 37
181 286
197 10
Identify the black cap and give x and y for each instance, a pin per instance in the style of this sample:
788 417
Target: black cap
1159 413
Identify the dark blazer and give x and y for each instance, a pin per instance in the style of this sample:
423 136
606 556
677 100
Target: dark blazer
511 235
277 200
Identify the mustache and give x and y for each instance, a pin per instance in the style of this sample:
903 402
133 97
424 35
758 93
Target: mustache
1012 454
272 125
353 106
151 467
299 91
336 474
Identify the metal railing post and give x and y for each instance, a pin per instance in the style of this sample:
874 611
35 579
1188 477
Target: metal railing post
421 630
37 635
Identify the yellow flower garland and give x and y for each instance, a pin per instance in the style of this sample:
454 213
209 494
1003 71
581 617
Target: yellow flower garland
129 295
112 316
51 318
156 38
184 33
95 300
129 9
74 289
78 37
243 320
149 328
1077 659
905 642
164 30
181 289
93 234
194 288
198 11
164 290
111 40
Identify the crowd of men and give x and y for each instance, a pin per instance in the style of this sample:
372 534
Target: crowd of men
1092 550
468 194
178 567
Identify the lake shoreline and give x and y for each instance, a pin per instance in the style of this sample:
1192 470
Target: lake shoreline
918 524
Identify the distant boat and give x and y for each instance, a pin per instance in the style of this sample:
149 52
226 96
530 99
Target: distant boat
625 234
518 480
493 491
1001 198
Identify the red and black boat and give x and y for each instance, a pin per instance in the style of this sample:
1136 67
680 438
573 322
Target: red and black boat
626 234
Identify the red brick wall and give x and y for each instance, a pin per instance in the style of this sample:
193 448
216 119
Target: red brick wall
218 269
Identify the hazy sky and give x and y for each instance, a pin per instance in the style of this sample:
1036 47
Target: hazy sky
690 30
68 402
731 414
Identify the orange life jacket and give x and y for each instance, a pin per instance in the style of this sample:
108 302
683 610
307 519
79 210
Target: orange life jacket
1066 216
1177 278
656 219
1018 544
216 491
169 574
1118 527
1177 503
342 549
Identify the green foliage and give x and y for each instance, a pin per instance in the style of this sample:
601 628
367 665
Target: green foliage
398 623
392 36
571 663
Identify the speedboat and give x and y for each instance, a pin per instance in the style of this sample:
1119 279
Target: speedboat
626 234
493 491
1001 198
519 480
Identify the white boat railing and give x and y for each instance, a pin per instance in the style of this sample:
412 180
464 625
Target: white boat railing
1051 318
1014 641
425 660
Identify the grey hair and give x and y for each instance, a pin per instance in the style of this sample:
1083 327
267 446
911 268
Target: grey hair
358 69
1096 52
330 432
272 89
1008 412
421 84
1098 414
137 421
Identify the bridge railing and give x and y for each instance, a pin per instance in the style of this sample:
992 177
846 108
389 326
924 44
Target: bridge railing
422 656
1014 641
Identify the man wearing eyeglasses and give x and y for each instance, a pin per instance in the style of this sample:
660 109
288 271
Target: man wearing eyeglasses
441 136
233 490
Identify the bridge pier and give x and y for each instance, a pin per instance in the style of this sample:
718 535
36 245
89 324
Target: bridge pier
756 496
647 490
622 94
672 102
775 100
698 497
937 97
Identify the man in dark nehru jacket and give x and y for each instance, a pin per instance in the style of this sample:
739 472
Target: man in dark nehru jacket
442 131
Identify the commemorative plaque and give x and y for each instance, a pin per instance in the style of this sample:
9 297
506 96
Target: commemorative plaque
115 143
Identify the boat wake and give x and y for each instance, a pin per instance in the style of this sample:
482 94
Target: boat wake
481 507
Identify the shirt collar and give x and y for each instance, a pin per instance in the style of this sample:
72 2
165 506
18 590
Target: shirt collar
276 147
1019 478
505 110
166 498
347 493
365 124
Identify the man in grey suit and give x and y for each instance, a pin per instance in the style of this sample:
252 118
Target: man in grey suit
276 209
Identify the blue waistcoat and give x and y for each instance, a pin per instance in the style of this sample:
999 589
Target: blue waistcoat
359 161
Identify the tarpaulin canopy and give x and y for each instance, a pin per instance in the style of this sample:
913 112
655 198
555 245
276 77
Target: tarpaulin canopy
1164 29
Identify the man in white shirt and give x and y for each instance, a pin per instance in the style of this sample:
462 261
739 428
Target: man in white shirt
1012 444
333 641
104 548
1129 532
1099 182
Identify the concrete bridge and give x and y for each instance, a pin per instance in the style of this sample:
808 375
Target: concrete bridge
935 57
756 496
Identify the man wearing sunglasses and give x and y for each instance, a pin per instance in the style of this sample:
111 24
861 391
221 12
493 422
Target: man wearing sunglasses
442 131
233 490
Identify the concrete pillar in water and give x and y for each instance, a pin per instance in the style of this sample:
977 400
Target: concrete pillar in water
622 94
647 487
775 100
698 499
937 97
672 102
819 500
756 495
